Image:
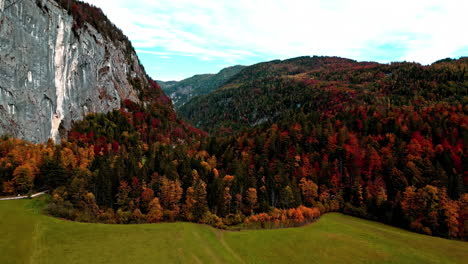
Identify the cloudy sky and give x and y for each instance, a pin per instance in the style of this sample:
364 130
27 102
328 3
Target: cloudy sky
176 39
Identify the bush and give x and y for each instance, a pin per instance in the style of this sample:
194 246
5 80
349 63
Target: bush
107 217
233 219
62 210
279 218
355 211
212 220
123 217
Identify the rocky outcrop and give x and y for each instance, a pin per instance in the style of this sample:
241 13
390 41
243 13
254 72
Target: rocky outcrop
53 72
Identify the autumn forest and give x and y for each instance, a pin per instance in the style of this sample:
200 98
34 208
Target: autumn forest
285 142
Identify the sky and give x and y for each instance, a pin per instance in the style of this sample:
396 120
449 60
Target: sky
176 39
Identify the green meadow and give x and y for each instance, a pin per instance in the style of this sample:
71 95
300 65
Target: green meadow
27 236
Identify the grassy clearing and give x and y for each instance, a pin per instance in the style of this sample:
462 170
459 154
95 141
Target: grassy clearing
26 236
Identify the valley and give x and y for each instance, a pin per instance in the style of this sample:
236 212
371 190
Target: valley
310 159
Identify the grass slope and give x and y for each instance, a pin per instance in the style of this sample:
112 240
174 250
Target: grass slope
26 236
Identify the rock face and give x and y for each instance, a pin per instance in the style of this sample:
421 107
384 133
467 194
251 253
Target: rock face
52 72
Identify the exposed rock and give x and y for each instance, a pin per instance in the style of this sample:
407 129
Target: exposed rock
52 74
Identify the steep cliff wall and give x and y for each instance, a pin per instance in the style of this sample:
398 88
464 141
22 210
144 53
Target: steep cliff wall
53 72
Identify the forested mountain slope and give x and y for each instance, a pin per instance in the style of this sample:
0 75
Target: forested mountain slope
272 91
181 92
364 132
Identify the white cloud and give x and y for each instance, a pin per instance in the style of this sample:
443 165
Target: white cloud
424 30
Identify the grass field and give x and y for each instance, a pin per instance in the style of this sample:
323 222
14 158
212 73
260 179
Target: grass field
26 236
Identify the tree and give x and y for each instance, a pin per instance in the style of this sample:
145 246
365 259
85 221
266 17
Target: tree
189 203
409 203
381 196
51 174
170 195
123 198
463 220
155 213
196 205
227 197
146 197
23 177
90 205
138 217
397 181
421 207
309 191
68 158
251 199
451 212
286 197
77 188
9 187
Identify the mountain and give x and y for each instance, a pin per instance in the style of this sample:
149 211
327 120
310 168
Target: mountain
290 140
183 91
273 91
380 141
60 60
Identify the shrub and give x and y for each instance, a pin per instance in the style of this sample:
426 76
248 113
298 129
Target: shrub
212 220
278 218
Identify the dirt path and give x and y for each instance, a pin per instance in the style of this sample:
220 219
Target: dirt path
22 197
230 250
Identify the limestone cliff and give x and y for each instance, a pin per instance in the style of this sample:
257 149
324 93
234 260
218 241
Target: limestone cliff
54 70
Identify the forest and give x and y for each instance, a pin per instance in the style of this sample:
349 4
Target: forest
288 141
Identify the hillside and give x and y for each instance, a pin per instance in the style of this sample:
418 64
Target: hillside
183 91
273 91
333 239
365 132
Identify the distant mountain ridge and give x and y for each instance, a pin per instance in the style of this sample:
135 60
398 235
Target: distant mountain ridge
271 91
183 91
